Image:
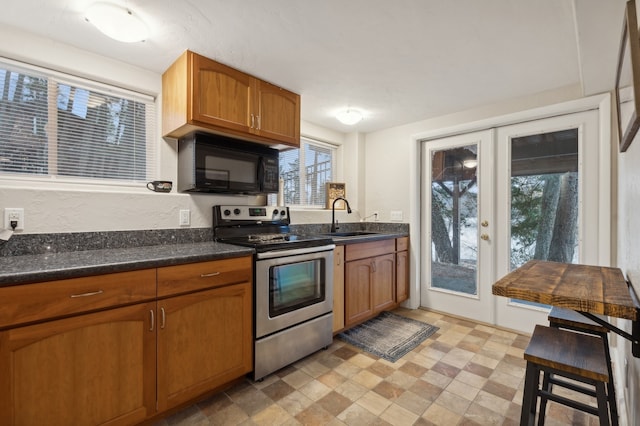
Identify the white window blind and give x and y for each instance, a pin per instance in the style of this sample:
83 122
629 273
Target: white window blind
52 125
306 171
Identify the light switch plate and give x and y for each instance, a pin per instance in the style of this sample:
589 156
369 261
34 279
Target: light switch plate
185 217
396 215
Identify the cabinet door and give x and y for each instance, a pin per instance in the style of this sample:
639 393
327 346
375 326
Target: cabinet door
204 341
383 284
338 288
278 114
221 96
357 298
91 369
402 276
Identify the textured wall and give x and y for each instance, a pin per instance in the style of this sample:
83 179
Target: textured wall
629 261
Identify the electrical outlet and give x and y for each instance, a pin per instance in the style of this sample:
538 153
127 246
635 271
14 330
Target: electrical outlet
185 217
14 215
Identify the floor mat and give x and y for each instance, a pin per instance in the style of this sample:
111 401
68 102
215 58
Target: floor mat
389 336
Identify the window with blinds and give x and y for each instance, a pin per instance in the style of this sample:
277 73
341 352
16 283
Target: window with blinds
52 125
305 172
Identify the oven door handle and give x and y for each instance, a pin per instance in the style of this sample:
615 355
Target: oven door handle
294 252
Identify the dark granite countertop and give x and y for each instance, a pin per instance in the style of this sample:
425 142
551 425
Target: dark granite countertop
340 241
53 266
37 258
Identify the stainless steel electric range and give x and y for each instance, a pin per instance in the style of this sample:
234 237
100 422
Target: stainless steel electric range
293 283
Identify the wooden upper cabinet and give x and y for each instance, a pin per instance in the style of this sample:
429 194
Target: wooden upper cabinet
201 94
221 95
278 113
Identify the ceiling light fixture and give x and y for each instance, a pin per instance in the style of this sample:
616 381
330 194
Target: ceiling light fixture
117 22
349 116
470 164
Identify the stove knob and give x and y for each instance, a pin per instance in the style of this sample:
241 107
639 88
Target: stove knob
283 213
227 212
236 211
275 212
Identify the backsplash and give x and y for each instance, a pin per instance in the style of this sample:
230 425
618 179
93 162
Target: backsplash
79 241
27 244
324 228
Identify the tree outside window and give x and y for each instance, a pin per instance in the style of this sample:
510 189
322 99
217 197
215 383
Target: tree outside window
49 127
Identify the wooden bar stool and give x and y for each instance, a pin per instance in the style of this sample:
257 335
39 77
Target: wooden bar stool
571 355
571 320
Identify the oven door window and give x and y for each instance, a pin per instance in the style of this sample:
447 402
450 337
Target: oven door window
295 285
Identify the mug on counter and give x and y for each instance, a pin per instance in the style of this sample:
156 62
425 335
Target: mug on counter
160 185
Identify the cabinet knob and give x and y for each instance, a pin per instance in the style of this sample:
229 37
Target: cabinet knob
484 237
485 223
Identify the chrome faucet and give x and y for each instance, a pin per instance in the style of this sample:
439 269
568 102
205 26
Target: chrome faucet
333 212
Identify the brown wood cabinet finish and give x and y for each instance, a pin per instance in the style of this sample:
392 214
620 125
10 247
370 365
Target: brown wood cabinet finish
204 341
173 280
358 304
201 94
402 276
90 369
37 302
402 269
376 278
338 288
370 249
121 364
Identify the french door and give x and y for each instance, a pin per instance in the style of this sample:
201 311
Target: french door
494 199
458 216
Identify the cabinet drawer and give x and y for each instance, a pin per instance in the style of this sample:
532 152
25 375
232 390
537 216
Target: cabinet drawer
36 302
199 276
373 248
402 244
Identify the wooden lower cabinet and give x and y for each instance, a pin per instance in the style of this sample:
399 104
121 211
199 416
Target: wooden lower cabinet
204 341
402 276
357 292
91 369
376 278
123 365
338 288
369 287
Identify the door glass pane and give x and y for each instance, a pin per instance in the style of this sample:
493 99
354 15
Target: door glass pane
544 197
454 219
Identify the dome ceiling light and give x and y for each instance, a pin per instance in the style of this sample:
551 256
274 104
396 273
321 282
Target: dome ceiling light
349 116
117 22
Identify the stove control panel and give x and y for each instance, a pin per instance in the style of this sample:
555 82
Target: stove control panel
254 213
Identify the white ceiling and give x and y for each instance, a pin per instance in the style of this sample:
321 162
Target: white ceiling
399 61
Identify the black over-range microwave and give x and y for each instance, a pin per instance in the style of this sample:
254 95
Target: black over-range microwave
212 163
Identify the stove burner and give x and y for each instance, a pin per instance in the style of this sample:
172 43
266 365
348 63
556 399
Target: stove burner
267 237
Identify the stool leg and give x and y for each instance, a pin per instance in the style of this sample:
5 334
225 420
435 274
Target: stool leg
611 392
543 401
530 395
603 409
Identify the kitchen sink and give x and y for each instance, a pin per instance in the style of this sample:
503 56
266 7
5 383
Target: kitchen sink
350 233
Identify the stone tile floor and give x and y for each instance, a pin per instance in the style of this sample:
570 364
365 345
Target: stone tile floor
464 374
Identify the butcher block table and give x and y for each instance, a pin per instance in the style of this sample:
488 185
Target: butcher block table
587 289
